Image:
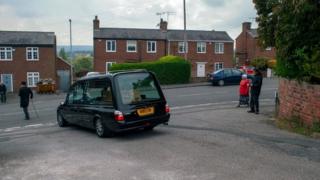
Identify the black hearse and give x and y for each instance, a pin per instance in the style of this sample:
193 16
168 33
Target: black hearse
115 102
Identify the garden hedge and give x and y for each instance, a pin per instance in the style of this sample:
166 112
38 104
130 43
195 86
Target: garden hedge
168 69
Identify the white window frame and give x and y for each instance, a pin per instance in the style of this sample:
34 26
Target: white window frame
6 51
32 50
218 65
219 48
33 76
202 46
1 76
111 43
107 65
182 44
150 45
132 43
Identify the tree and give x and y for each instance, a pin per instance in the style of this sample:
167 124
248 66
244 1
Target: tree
82 64
293 27
63 54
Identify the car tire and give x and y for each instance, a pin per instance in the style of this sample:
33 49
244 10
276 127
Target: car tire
61 121
221 83
101 129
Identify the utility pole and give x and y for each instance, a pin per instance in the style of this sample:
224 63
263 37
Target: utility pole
185 30
71 53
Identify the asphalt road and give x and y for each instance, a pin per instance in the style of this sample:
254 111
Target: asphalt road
207 138
201 143
11 115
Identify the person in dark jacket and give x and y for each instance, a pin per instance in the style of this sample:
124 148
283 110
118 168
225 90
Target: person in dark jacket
3 93
255 91
25 93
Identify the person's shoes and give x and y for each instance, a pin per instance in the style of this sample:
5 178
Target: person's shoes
238 105
257 112
26 118
250 111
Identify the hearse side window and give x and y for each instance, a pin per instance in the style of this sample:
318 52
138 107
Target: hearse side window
137 87
76 94
98 92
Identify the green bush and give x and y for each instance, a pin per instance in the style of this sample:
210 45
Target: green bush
293 28
260 63
168 69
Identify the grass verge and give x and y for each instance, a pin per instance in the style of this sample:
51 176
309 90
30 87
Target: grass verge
297 126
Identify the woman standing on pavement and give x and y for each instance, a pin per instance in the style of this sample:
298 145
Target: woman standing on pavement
255 92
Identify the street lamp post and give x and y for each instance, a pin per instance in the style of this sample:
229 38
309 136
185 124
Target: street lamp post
185 30
71 53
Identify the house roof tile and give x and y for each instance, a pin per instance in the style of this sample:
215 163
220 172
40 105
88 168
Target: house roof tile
26 38
156 34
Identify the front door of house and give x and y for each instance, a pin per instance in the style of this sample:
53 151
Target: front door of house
201 70
7 80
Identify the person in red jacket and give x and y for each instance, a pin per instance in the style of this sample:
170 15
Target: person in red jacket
244 91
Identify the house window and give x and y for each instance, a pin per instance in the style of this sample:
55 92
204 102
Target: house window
218 65
182 47
201 47
108 65
268 49
131 46
5 53
32 53
151 46
33 78
219 48
111 46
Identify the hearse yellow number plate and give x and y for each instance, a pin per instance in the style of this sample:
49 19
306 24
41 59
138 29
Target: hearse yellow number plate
146 111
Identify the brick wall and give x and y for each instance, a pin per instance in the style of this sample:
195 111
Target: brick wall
300 100
19 66
210 57
247 48
121 56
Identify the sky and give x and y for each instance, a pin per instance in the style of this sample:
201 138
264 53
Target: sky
54 15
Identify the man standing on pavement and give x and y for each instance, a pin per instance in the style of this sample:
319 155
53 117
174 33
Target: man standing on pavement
255 92
3 93
25 93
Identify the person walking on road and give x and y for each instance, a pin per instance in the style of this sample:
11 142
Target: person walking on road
3 93
25 93
244 91
255 92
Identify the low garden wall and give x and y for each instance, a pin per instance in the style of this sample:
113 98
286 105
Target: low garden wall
299 100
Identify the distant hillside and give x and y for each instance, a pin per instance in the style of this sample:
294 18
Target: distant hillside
76 48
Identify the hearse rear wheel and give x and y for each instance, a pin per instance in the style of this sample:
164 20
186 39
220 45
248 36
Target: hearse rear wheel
101 130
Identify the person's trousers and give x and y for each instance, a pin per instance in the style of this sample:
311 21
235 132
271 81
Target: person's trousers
26 113
254 103
3 97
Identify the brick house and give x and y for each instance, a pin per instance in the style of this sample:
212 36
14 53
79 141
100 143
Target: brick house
206 50
247 47
27 56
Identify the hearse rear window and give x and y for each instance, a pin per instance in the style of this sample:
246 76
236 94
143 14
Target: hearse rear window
137 87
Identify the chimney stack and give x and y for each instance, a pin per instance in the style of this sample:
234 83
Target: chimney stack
96 23
246 26
163 25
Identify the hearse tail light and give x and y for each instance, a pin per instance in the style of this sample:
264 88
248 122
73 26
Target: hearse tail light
167 108
118 116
